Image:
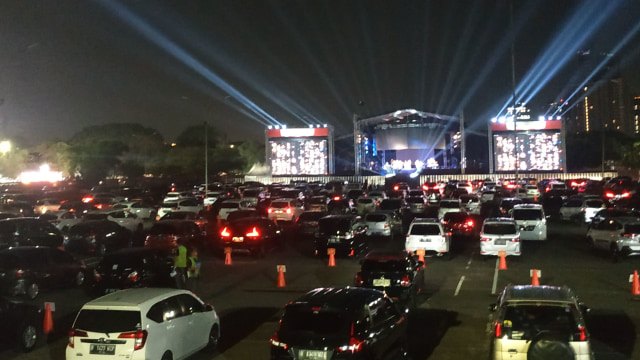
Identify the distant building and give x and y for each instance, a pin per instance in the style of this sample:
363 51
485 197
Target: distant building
636 114
602 104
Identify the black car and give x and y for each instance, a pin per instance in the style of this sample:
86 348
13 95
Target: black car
399 274
344 323
22 324
166 234
254 235
97 237
28 269
132 268
345 233
29 232
307 222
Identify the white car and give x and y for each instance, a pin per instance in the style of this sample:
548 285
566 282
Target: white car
449 205
177 195
581 210
532 191
231 205
285 210
619 236
191 204
212 197
62 219
499 234
140 208
45 205
143 323
121 217
531 221
429 235
365 205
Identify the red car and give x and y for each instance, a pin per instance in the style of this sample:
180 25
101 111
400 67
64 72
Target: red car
462 224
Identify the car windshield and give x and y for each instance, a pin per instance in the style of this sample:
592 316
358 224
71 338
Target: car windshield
169 204
527 214
108 321
383 265
526 321
307 320
425 229
499 229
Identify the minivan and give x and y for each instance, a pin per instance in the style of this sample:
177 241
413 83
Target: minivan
531 221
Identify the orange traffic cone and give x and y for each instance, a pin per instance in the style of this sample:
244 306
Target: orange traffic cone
47 326
227 257
503 263
635 284
332 259
534 278
421 257
281 282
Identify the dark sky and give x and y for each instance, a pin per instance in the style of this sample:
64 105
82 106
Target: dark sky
238 64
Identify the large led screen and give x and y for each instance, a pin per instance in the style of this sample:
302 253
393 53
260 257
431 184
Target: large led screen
537 151
304 156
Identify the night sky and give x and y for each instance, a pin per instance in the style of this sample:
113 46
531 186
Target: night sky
243 64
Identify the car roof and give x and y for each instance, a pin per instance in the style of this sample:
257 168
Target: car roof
425 221
543 293
339 298
132 298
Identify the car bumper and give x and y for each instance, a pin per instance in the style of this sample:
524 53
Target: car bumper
438 247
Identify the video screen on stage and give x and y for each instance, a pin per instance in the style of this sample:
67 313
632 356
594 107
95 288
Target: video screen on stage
537 151
305 156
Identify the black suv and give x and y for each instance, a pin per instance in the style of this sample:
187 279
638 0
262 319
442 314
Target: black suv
22 324
344 323
399 274
29 231
345 233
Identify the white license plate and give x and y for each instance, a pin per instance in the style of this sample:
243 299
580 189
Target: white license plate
382 282
312 355
102 349
334 240
500 242
425 240
237 239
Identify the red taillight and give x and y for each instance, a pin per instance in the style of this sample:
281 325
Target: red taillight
469 223
270 210
354 346
19 273
87 199
225 232
629 235
336 198
498 329
386 225
73 333
583 335
485 239
133 276
276 342
405 281
515 239
359 280
626 194
253 233
609 195
396 187
425 187
289 211
547 189
139 336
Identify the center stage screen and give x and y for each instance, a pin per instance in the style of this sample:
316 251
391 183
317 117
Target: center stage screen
538 150
403 138
307 156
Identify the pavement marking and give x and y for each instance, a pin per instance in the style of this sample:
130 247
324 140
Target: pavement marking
459 286
495 277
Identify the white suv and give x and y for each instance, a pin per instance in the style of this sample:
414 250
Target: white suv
429 235
143 323
620 236
449 205
531 221
499 234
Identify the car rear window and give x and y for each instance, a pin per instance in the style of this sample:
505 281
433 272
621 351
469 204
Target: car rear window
230 205
521 320
632 229
527 214
169 204
375 218
311 216
164 228
108 321
280 204
425 229
383 265
310 320
365 201
594 203
333 226
449 204
390 204
499 229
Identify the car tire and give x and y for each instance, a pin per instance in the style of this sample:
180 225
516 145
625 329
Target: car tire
32 291
167 355
27 337
550 347
214 338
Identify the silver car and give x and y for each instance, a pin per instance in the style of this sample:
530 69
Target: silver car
499 234
620 236
383 223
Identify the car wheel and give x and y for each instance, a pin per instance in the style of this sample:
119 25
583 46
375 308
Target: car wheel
79 279
33 290
27 337
167 356
550 347
214 337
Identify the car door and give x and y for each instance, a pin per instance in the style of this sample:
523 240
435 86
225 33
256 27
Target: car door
386 330
197 323
176 335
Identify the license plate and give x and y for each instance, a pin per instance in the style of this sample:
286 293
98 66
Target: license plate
381 282
334 240
102 349
312 355
500 242
425 240
237 239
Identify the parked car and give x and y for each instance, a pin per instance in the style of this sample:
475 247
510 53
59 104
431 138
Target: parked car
539 322
618 236
253 235
428 234
29 269
167 234
29 232
200 220
399 274
345 323
146 323
470 203
286 210
345 233
61 219
229 205
121 217
365 205
97 237
500 234
191 204
307 222
23 324
132 268
318 203
417 204
383 223
141 209
462 224
399 205
581 210
531 220
449 205
47 204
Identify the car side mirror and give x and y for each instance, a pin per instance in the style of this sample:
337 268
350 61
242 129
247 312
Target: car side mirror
208 307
